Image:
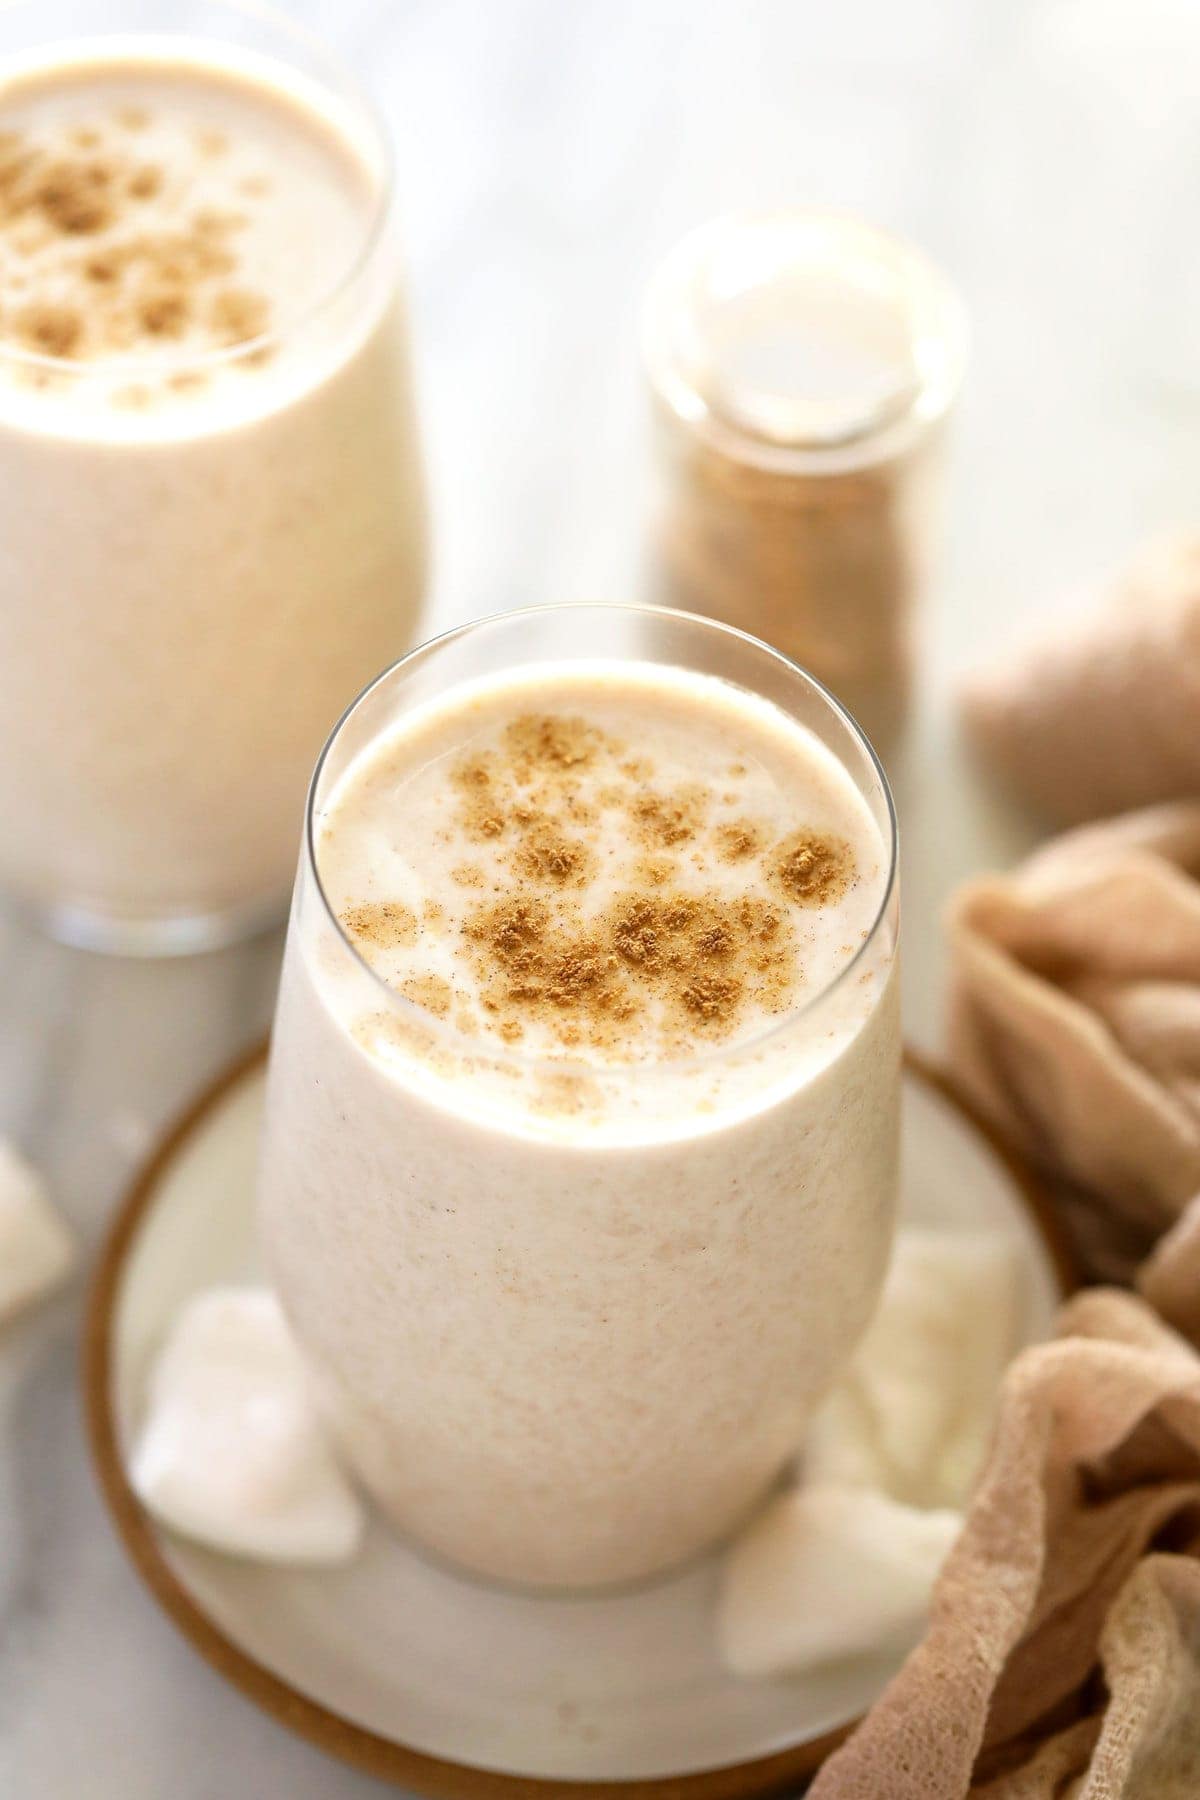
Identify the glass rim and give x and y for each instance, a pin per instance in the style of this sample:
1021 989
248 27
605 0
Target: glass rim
338 77
473 1045
674 388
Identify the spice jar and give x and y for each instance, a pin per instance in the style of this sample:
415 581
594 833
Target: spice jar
802 365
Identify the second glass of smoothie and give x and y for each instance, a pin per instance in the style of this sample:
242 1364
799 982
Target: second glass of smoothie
580 1157
211 513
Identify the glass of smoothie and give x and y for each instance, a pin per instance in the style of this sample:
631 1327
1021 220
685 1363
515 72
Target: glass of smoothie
212 525
580 1155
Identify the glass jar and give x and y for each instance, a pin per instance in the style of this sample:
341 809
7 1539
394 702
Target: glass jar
801 367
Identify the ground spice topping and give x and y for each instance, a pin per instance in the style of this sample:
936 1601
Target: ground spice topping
605 907
811 869
380 925
78 219
696 957
799 412
739 840
665 949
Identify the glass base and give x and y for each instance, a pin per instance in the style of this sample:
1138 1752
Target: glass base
153 935
622 1588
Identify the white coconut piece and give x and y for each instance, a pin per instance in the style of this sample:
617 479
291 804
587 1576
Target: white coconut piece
826 1573
231 1451
913 1413
992 1300
842 1444
36 1248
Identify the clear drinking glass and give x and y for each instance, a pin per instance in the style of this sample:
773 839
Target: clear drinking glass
202 549
569 1348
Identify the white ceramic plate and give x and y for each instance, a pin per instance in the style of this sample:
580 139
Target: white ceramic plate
408 1670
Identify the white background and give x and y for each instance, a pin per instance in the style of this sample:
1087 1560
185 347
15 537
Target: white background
1047 152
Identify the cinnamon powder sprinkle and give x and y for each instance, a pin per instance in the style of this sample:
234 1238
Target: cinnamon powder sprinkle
48 330
811 869
664 821
238 314
818 563
739 840
146 183
75 198
549 855
479 810
117 282
380 925
671 956
654 871
164 313
432 992
697 959
551 741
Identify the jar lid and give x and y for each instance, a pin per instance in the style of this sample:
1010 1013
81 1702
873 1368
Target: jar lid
802 331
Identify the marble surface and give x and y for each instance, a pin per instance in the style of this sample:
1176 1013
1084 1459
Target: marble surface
1045 151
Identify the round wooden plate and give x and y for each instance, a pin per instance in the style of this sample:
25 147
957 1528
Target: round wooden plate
399 1668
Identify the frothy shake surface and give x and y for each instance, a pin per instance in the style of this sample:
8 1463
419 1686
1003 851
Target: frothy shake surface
620 867
155 211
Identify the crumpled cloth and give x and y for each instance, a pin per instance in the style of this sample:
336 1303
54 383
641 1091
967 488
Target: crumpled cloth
1062 1660
1074 1021
1098 712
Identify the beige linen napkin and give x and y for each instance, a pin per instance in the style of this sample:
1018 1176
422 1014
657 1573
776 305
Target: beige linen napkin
1074 1020
1062 1660
1101 712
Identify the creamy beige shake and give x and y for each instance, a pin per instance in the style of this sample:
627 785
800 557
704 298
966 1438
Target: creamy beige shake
580 1164
211 520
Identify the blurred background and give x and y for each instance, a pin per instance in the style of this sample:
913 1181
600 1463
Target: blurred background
1045 152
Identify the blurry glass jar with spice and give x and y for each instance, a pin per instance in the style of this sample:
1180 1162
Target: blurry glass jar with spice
802 365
